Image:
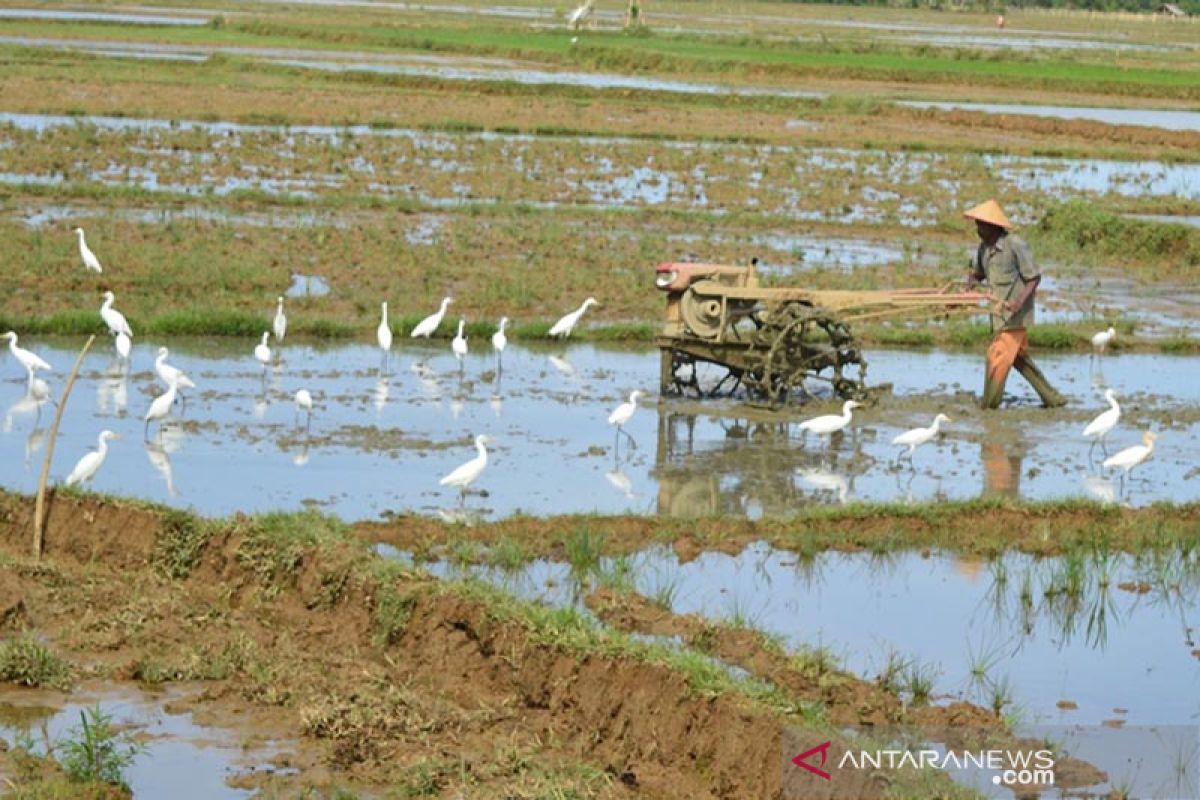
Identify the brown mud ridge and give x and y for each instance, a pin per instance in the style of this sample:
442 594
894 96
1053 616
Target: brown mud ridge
392 678
979 528
850 700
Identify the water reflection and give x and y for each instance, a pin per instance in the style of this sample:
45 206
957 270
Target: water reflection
161 461
761 468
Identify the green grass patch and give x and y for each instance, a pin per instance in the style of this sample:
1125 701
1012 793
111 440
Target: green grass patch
27 662
273 545
180 541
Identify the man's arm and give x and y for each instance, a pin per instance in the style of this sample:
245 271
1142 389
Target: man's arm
1029 272
1026 293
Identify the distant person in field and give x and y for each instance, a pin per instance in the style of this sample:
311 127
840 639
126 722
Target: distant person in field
1005 262
1000 22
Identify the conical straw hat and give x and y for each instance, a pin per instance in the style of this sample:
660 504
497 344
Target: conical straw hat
989 212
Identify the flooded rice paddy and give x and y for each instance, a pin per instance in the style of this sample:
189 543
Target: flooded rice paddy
1094 639
377 445
181 758
457 169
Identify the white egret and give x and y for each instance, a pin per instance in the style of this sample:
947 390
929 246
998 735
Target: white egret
918 436
262 353
29 360
580 15
89 258
1100 340
87 466
830 423
564 326
169 374
459 345
124 346
465 475
383 335
427 326
623 413
1104 422
304 402
499 342
114 319
1130 457
279 324
160 408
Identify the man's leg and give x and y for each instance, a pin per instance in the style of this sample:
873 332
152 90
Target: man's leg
1001 354
1030 372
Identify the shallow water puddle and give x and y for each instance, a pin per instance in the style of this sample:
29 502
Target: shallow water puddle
1093 639
379 444
181 759
1146 117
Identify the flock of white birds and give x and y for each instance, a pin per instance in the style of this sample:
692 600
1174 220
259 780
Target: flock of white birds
175 379
466 474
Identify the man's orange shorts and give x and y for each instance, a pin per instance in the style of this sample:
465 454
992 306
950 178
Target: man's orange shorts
1006 346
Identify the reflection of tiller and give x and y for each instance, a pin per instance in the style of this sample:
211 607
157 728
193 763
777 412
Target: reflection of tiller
823 749
770 340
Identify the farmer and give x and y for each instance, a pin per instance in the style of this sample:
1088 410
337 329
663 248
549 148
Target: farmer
1005 261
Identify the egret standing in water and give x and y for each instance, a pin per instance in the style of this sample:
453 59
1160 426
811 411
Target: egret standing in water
262 353
577 17
29 360
383 334
623 413
459 345
499 342
304 402
89 258
427 326
1130 457
90 463
919 436
830 423
1104 422
1100 340
562 328
115 320
466 474
279 324
169 374
160 408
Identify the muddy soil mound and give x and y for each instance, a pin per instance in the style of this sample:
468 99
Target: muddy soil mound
493 681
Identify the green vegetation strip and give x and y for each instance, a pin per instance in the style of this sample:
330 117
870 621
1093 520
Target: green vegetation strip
679 54
983 527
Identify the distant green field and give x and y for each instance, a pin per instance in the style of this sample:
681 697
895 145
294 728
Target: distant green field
676 53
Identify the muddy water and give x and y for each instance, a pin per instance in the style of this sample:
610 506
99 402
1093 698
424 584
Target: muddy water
1151 118
181 759
379 445
1119 655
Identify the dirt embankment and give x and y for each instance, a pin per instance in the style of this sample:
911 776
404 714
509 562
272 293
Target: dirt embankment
396 679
